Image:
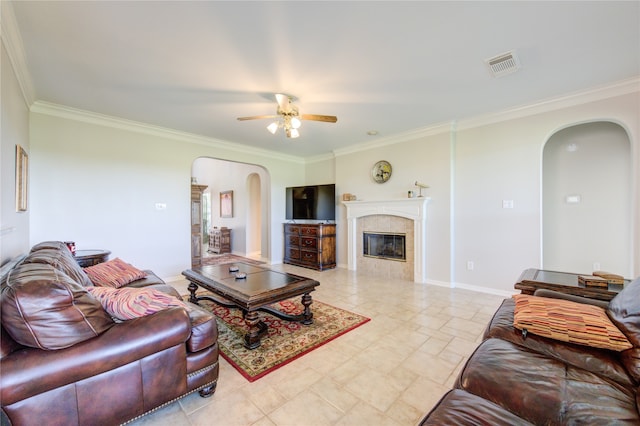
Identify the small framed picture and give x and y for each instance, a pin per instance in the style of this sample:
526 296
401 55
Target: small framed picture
226 204
22 179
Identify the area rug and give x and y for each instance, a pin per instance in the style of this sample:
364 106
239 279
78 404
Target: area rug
216 259
285 340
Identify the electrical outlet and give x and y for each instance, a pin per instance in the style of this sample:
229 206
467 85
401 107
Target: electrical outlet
507 204
161 206
470 265
596 266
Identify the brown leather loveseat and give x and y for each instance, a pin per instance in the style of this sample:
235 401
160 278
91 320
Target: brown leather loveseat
516 378
65 360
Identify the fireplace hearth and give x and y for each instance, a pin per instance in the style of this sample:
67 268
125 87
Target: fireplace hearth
383 245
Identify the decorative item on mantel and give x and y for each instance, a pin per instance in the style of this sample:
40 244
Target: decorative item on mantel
348 197
421 186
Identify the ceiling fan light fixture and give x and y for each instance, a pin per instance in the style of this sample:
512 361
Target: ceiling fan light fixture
289 118
273 127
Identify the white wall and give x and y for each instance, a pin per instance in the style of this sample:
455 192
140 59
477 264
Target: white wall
14 226
96 181
471 170
504 161
320 171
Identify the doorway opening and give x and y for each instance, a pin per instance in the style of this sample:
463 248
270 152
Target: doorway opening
235 204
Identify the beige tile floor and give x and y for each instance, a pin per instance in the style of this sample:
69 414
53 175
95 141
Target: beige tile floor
390 371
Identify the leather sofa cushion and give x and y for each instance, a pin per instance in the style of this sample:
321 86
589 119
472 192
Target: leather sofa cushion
149 279
599 361
624 311
114 273
461 408
60 258
43 308
204 329
568 321
544 390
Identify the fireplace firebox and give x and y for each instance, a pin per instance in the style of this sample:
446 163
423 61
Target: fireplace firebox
383 245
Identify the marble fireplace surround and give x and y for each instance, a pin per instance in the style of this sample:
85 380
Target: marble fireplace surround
410 208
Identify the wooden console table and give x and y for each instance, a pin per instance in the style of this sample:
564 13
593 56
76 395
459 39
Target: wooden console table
564 282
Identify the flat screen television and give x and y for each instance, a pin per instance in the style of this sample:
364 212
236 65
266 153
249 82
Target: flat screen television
311 202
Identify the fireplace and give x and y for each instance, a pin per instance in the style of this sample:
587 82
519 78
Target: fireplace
400 216
384 246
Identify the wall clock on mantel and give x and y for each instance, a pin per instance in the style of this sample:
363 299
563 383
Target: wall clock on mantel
381 171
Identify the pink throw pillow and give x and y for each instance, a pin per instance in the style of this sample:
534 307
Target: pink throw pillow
114 273
129 303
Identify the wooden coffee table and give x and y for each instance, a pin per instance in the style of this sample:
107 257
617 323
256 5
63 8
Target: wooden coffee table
532 279
260 288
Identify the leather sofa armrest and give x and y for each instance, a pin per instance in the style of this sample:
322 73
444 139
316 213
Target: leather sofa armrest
31 371
573 298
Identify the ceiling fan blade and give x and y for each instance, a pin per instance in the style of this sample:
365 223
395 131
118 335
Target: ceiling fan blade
256 117
316 117
284 102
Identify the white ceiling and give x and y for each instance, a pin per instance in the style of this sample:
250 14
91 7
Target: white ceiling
393 66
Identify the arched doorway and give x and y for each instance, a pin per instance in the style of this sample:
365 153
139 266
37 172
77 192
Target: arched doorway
587 199
249 185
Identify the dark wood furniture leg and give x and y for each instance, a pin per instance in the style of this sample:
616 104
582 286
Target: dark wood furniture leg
209 390
307 314
257 329
192 293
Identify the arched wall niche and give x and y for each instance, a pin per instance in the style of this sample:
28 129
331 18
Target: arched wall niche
587 201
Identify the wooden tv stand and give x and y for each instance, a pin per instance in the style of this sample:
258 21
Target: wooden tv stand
310 245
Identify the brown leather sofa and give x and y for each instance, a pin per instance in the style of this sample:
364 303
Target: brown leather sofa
513 379
80 366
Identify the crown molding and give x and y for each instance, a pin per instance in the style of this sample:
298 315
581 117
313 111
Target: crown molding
619 88
436 129
319 158
12 42
70 113
598 93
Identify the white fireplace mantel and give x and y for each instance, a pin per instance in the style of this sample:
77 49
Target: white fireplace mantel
410 208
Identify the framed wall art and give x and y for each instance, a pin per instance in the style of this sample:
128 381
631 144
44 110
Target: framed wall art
226 204
22 179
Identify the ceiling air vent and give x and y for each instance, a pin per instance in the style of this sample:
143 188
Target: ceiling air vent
503 64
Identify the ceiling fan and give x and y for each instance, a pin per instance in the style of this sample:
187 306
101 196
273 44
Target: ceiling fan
288 117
